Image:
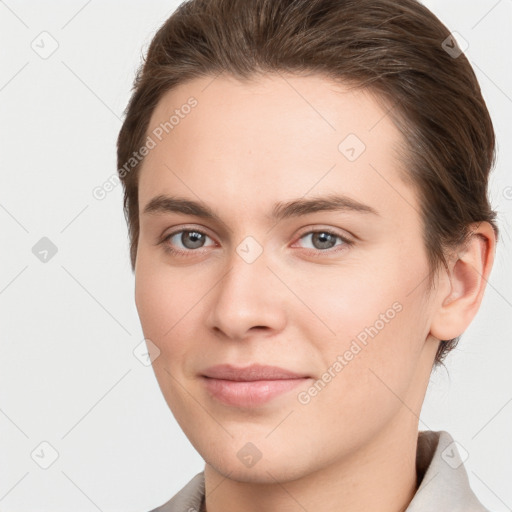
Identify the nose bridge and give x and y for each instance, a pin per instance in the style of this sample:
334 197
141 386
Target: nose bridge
247 296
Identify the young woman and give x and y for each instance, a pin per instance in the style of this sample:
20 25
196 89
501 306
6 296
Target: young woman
306 195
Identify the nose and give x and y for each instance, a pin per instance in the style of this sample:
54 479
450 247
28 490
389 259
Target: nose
248 298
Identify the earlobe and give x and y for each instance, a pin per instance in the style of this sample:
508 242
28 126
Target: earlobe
466 279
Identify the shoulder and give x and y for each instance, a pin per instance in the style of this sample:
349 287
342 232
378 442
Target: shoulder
188 499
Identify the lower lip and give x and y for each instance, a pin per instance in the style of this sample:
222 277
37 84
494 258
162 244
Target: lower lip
249 393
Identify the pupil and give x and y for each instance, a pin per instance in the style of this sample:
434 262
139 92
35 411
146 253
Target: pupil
323 239
194 240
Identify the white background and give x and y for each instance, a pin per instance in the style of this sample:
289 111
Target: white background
68 375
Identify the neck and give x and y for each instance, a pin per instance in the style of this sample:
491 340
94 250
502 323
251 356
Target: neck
380 476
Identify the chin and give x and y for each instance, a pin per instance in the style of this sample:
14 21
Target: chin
281 468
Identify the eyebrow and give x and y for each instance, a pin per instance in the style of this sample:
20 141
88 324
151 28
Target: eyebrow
281 210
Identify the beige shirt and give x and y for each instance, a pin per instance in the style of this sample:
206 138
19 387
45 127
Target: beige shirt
444 484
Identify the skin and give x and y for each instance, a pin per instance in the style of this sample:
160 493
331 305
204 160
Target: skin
244 147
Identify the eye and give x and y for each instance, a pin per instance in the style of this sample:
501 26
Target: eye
323 240
190 240
187 241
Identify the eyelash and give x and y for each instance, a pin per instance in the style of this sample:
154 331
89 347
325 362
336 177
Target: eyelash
314 252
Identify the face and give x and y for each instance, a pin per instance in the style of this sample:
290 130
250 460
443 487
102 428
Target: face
306 255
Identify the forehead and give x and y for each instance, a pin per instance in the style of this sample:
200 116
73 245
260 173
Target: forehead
276 137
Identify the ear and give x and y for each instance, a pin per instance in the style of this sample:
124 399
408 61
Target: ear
465 280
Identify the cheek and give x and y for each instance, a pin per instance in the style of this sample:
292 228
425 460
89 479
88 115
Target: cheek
162 302
374 326
166 310
367 371
347 300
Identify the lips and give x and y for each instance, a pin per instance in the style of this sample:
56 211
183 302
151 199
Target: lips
249 386
250 373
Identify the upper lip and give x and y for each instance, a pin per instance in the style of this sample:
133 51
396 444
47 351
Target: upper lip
250 373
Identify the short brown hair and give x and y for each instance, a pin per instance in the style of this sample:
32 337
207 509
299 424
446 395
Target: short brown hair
396 49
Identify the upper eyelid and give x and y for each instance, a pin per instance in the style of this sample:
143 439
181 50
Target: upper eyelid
334 231
168 236
184 229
